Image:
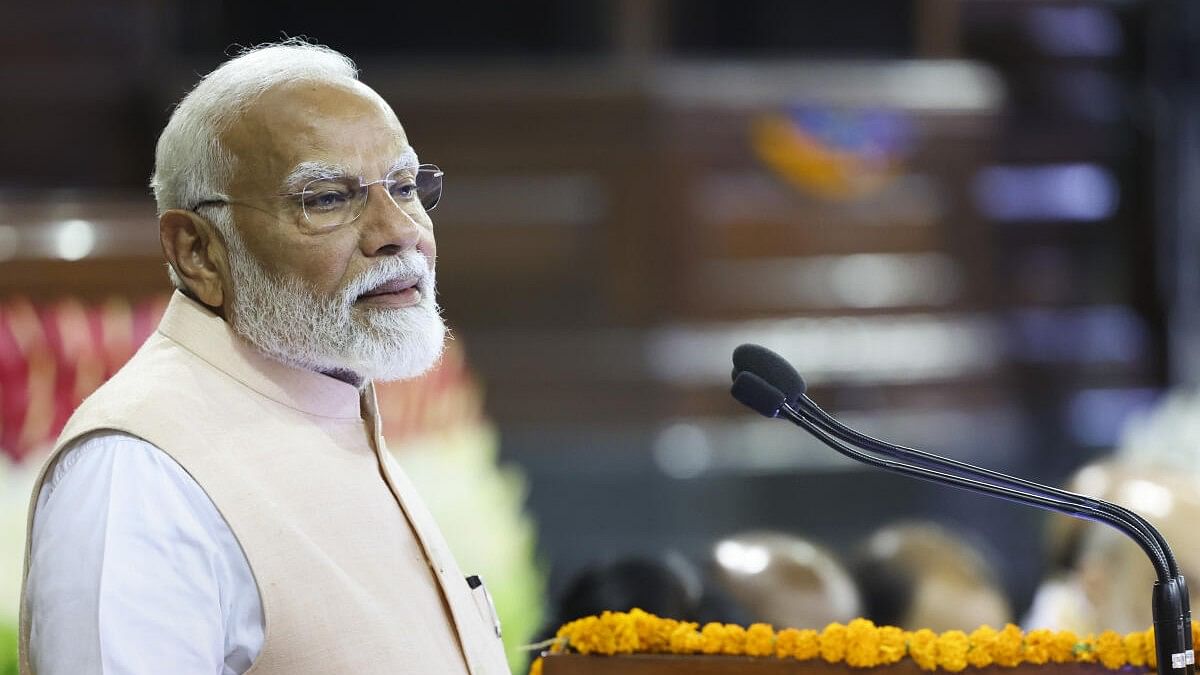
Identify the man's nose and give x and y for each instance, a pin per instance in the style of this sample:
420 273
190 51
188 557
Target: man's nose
387 228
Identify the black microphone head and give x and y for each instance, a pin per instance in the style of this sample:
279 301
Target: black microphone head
771 367
757 394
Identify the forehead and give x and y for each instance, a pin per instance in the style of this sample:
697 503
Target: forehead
345 125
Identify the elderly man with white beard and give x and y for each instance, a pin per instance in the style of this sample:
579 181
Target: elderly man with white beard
225 503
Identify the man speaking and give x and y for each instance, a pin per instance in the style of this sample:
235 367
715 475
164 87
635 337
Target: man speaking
225 503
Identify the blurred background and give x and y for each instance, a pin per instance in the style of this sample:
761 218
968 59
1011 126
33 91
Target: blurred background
971 224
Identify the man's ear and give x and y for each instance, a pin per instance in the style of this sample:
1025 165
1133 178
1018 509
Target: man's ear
197 254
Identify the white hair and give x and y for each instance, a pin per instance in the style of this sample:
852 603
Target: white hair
190 166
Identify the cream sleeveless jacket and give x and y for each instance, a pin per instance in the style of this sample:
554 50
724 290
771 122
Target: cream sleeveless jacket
352 572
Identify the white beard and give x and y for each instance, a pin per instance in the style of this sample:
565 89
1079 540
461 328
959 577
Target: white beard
285 320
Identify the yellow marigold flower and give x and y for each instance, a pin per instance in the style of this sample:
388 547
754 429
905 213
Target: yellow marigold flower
786 643
1085 651
735 640
760 640
862 644
1151 652
685 639
535 668
893 644
801 645
952 649
983 643
1039 643
653 633
833 643
922 647
1007 651
1062 646
713 635
1135 649
1110 648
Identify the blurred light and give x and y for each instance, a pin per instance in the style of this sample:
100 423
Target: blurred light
1096 417
864 280
742 558
682 451
1092 480
1097 334
1146 497
10 241
1075 31
941 85
1070 192
867 349
74 239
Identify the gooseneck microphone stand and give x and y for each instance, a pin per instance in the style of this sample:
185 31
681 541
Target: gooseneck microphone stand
1173 644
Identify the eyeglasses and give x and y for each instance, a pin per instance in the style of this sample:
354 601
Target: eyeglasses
334 201
330 202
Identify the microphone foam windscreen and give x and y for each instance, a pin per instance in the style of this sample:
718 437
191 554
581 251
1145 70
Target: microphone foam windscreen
754 392
771 367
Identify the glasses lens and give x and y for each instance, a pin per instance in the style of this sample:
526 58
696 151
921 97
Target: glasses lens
429 185
330 203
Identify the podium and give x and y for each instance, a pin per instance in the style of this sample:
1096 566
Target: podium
639 643
663 664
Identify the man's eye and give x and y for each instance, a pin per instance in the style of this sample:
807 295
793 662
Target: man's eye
325 200
406 191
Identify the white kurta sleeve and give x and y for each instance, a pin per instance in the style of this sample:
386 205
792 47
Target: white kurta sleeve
134 571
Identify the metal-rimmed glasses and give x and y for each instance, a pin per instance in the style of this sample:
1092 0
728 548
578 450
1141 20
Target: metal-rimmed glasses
332 201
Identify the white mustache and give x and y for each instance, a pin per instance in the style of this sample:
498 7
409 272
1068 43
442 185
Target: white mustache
409 266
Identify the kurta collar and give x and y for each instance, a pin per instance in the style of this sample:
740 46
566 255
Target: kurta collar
195 328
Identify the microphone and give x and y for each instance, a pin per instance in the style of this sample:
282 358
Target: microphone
776 371
1169 600
779 373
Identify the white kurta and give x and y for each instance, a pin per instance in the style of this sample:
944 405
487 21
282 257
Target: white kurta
133 567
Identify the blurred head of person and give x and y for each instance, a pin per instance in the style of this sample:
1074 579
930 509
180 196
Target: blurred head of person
785 580
921 575
1112 572
292 204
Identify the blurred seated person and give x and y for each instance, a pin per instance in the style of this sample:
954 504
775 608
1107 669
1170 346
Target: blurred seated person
921 575
668 586
784 580
1107 583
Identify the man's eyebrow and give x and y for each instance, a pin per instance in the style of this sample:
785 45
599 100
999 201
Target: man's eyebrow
406 160
310 171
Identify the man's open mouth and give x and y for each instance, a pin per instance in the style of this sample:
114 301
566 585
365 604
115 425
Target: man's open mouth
394 287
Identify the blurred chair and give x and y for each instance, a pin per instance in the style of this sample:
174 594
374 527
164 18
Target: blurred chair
921 575
785 580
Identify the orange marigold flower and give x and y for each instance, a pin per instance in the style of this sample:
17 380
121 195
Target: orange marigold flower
862 644
760 640
1110 648
922 647
1009 642
535 668
833 643
1039 643
952 649
893 644
983 643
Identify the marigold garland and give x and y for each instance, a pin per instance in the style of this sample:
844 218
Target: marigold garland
859 644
